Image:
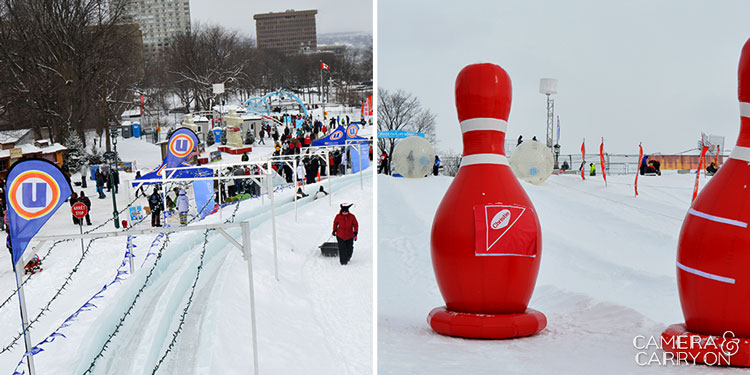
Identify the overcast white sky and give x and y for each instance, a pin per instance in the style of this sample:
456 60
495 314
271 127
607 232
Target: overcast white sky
333 15
659 72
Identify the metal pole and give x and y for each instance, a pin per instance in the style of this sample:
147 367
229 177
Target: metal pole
24 321
115 215
273 232
328 161
295 192
262 199
248 255
80 229
130 252
164 190
359 152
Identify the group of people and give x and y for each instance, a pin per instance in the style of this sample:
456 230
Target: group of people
650 167
82 198
103 179
180 203
385 164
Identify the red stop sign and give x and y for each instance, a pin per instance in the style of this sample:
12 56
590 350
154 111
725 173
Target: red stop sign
79 210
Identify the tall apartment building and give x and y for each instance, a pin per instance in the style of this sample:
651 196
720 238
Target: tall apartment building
290 32
160 21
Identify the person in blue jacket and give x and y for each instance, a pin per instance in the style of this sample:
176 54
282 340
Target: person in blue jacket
436 166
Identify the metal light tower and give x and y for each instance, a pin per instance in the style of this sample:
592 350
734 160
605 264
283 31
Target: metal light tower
548 86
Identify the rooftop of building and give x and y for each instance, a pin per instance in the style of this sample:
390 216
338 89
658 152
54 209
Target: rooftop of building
12 136
288 12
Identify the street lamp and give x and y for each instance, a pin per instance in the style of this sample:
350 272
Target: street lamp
111 158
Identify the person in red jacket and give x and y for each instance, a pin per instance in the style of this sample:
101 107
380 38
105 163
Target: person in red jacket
345 228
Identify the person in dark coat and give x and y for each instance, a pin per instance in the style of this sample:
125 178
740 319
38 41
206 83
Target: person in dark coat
320 193
140 190
520 140
86 202
116 175
73 200
384 161
156 204
288 173
100 177
345 228
712 168
107 180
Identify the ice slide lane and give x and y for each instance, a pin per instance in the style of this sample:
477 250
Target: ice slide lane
142 346
195 356
206 317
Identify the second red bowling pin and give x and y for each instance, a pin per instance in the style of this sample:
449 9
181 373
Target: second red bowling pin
486 239
713 255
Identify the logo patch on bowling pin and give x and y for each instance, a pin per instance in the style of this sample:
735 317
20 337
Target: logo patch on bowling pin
503 230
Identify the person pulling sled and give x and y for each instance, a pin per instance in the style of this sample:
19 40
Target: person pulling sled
345 228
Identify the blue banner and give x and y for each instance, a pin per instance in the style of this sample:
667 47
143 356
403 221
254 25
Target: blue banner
398 134
204 197
181 144
34 191
362 156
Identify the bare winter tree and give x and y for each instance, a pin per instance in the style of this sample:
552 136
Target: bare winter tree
66 64
206 55
402 111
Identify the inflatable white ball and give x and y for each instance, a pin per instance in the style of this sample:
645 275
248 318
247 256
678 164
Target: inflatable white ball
413 157
532 162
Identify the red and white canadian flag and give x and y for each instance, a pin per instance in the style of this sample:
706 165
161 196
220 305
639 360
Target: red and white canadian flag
504 230
325 66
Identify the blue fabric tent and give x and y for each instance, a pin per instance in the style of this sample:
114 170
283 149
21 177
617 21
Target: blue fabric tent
338 137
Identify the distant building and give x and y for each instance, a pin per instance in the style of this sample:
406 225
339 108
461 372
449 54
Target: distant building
331 50
160 21
289 32
21 143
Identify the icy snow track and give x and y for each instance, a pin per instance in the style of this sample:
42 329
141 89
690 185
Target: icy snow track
146 332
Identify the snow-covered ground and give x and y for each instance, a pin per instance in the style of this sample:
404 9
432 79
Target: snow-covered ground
316 319
607 275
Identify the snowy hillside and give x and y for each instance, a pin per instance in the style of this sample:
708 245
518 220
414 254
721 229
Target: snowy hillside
316 319
607 275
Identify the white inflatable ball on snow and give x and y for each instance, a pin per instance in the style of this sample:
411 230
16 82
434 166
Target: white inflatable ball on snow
413 157
532 162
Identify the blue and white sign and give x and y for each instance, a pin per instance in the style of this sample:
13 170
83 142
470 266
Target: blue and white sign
398 134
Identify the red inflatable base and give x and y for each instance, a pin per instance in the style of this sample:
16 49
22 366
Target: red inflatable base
486 326
711 350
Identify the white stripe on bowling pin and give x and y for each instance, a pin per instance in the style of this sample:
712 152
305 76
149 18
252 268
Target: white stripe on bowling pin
707 275
740 153
484 159
717 219
744 109
483 123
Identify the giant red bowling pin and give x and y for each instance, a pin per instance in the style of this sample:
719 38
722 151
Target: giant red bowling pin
713 255
486 240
